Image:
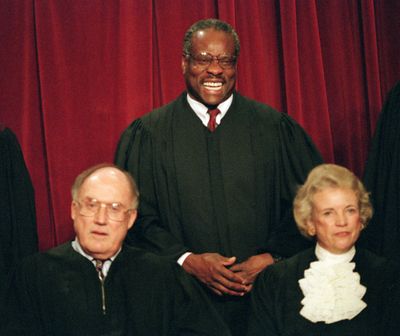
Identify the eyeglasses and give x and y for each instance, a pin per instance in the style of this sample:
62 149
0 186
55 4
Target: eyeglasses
114 211
204 60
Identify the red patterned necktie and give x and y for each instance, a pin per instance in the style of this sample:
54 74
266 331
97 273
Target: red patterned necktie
212 124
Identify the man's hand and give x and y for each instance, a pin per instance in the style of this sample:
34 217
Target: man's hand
249 269
212 269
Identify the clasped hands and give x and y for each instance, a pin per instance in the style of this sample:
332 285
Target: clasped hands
223 275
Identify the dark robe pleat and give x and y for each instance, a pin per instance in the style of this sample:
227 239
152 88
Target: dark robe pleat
58 293
382 179
229 191
18 234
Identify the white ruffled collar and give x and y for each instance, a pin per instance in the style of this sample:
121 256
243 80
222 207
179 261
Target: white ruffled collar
332 291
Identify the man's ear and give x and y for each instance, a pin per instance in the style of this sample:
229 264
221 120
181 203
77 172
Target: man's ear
132 218
74 210
184 64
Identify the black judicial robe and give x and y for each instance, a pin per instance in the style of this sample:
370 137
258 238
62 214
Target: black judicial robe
276 300
18 234
59 293
382 179
229 191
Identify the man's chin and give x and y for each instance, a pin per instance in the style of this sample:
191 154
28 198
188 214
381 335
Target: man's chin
212 100
97 247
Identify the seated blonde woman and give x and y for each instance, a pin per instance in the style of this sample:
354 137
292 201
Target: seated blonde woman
333 288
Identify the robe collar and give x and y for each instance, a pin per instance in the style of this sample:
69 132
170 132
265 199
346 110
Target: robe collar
107 263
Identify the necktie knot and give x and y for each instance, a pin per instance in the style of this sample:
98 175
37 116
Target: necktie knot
99 264
99 268
212 124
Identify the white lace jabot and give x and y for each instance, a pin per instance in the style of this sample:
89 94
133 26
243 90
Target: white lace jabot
332 291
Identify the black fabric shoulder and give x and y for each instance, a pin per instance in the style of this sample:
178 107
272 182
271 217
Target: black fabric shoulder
382 234
289 266
261 111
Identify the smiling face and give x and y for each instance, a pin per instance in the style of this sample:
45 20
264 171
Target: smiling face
98 235
335 219
210 85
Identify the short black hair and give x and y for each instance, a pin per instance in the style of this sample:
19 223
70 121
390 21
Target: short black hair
209 24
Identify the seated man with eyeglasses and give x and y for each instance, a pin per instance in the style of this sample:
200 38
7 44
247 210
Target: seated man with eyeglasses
96 285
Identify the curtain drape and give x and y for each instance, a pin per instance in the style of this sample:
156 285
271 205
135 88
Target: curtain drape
74 74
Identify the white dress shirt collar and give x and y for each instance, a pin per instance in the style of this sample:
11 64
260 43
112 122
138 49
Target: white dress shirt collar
201 110
106 265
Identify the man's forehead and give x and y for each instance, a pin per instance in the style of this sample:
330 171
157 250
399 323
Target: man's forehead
106 178
211 32
105 174
210 37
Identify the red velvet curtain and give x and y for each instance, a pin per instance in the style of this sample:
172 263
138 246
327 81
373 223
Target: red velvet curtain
74 74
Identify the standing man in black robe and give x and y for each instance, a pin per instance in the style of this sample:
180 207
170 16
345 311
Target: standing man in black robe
217 191
96 285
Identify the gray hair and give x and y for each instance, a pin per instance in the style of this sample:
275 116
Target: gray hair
81 178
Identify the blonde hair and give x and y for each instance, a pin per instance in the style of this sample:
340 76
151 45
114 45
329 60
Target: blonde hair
328 176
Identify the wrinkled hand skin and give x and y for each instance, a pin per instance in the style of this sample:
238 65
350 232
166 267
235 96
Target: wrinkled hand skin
222 276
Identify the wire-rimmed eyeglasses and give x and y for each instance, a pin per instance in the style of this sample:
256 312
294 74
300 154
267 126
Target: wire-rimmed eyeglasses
204 60
90 207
